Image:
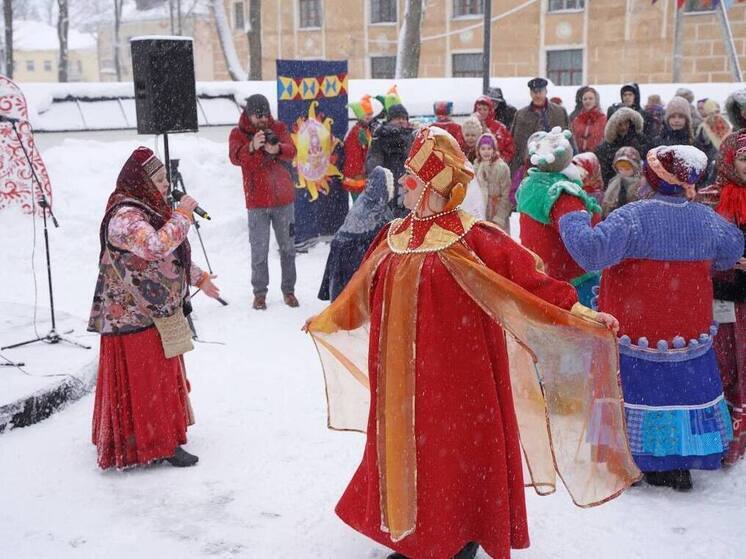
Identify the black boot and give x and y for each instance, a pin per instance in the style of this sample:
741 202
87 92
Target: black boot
182 459
682 480
468 551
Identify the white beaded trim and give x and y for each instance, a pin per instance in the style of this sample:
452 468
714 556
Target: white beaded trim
395 224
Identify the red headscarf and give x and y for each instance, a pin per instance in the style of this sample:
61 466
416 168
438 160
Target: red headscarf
592 182
732 205
135 183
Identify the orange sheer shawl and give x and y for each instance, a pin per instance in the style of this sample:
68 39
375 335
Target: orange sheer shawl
563 370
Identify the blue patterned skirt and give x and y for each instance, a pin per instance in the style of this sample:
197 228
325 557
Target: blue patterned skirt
676 415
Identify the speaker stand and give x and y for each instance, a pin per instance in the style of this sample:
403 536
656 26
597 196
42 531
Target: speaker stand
168 159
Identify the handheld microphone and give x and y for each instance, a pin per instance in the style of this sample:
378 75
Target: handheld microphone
6 118
178 195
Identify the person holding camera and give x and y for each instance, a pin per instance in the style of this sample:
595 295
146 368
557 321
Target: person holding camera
262 147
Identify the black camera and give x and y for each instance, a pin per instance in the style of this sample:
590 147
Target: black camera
271 138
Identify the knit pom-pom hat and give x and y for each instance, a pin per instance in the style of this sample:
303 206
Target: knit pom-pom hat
674 170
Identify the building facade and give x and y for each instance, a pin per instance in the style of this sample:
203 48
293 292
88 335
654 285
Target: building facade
199 26
570 41
36 54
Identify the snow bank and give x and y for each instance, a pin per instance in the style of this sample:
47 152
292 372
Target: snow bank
417 95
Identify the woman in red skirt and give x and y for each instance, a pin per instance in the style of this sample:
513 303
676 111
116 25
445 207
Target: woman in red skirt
142 410
730 291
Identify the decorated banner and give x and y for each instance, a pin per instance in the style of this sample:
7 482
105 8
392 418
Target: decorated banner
312 102
16 179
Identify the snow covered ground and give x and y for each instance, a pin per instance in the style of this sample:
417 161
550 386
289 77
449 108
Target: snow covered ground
269 473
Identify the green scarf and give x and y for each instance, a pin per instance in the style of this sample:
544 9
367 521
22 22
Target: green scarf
540 190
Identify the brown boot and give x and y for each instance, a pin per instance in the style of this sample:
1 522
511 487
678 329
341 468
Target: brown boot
290 300
260 302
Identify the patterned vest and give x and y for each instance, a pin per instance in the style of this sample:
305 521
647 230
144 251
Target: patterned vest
131 290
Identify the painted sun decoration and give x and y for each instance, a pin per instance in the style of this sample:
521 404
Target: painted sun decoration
315 145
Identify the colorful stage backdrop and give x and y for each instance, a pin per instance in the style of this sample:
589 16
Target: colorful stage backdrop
16 186
312 102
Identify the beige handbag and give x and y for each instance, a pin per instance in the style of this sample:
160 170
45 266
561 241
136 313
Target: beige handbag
176 336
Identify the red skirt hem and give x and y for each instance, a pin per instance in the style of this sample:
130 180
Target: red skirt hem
141 406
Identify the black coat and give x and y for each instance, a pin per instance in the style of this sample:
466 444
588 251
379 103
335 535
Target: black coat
389 148
649 128
669 137
703 142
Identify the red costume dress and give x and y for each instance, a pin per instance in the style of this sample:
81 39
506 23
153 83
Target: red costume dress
730 289
141 409
440 386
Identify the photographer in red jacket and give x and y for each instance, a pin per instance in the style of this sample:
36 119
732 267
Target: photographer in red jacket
262 147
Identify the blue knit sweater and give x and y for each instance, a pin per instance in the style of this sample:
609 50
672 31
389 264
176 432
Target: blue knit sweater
666 228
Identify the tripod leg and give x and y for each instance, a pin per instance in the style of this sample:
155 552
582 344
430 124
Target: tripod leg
19 344
73 342
191 327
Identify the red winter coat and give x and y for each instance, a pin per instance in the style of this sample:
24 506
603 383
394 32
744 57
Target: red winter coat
453 128
588 129
505 142
267 182
355 154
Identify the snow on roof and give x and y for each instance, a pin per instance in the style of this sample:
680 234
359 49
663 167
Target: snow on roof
188 8
37 35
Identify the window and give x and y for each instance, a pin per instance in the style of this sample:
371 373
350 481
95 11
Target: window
467 65
565 67
468 8
382 67
693 6
47 65
239 22
309 13
29 65
383 11
562 5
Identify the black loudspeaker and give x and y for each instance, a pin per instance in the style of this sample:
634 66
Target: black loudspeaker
165 96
